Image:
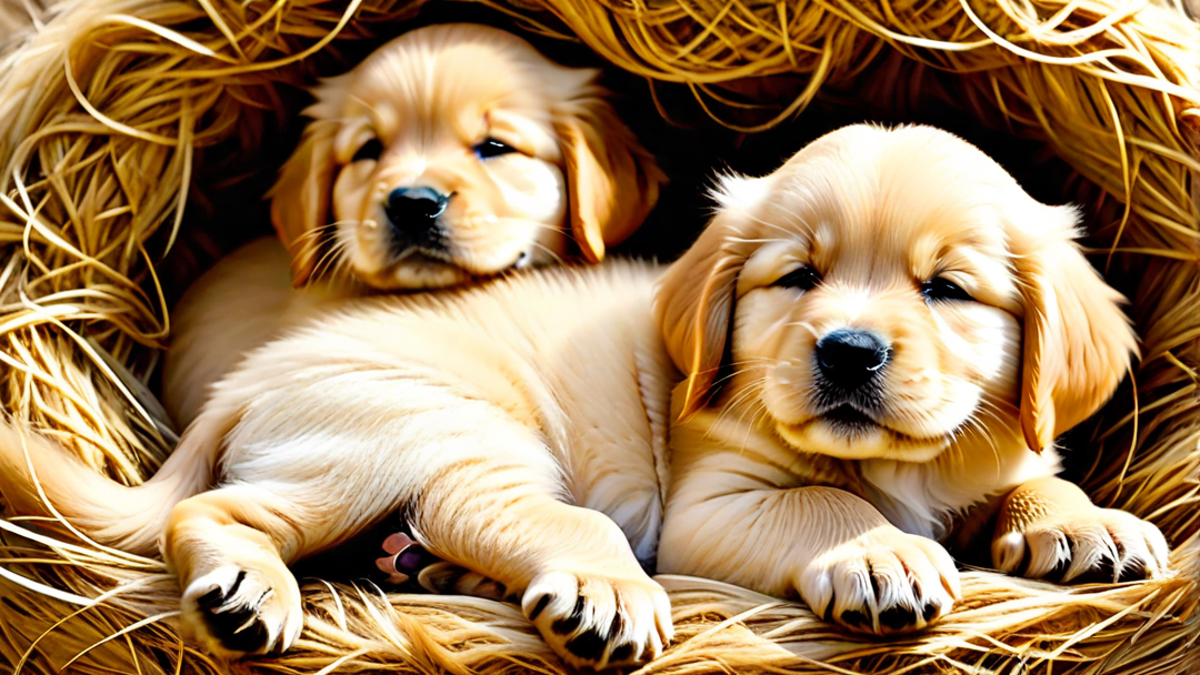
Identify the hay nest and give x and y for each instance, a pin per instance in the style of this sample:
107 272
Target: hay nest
118 118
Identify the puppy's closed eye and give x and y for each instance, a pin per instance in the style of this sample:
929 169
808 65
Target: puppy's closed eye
939 289
371 150
491 147
804 278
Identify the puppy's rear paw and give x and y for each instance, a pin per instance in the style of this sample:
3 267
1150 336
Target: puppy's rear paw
234 611
596 621
883 583
449 579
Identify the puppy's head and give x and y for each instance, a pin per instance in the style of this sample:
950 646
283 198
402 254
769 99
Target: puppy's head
458 151
888 291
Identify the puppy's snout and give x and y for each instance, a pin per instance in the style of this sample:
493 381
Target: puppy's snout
413 213
850 358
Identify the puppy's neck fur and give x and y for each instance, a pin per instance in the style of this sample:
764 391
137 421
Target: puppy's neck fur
926 498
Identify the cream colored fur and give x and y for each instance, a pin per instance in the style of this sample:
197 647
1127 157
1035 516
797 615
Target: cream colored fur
521 427
235 307
771 491
577 182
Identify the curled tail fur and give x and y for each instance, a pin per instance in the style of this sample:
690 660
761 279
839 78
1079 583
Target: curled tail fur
127 518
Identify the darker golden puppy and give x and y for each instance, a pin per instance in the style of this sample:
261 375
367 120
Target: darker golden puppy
882 341
454 152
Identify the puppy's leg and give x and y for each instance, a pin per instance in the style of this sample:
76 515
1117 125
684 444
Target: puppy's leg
833 549
1048 528
573 568
228 548
481 487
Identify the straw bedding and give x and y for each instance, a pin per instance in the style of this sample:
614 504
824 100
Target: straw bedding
122 120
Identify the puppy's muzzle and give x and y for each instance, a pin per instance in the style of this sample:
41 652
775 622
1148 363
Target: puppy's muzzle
850 359
413 213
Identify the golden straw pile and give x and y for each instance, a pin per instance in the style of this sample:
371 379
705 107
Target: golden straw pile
114 112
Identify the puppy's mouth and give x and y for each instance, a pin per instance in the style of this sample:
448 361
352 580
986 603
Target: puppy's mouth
848 420
419 269
418 256
847 432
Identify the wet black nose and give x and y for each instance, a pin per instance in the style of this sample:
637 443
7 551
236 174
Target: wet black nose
413 213
850 358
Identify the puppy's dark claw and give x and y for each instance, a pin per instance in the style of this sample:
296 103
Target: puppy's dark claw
236 627
898 617
539 607
568 624
931 610
587 645
621 653
854 617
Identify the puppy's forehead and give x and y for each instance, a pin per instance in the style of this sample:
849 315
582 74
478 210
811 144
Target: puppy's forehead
456 74
894 190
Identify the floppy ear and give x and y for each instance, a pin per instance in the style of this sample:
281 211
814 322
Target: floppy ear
695 298
612 181
1077 341
300 197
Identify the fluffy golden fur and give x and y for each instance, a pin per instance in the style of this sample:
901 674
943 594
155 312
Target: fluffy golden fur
570 180
985 335
520 426
533 162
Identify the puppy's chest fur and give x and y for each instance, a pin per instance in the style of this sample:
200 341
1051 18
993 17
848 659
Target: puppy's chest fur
930 498
924 498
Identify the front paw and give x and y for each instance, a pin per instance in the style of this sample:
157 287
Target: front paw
596 620
1093 546
233 610
881 583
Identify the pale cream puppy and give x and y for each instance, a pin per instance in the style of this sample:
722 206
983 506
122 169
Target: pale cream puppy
519 426
458 151
451 154
882 341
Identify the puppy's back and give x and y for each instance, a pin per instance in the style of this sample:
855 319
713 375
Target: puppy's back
580 313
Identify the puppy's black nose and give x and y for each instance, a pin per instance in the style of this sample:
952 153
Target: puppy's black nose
413 213
850 358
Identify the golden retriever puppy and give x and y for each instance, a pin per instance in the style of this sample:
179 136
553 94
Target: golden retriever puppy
452 153
882 341
520 426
